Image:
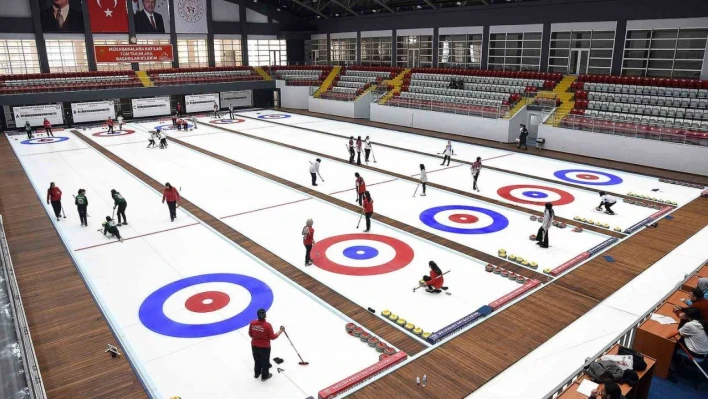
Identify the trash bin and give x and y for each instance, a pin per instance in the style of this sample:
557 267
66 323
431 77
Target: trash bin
540 142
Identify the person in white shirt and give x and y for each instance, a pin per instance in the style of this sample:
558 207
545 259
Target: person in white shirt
194 121
447 153
120 121
367 149
608 201
423 178
694 335
475 168
542 235
315 170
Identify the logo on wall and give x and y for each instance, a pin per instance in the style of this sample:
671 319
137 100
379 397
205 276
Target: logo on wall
191 10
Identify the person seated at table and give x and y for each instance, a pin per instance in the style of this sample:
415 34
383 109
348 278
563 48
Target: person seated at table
696 300
693 335
610 391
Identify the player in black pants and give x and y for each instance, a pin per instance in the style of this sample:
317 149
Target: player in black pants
81 203
121 204
350 146
109 226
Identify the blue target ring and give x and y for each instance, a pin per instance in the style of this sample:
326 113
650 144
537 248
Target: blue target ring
274 116
535 194
172 127
45 140
563 175
499 221
360 252
154 318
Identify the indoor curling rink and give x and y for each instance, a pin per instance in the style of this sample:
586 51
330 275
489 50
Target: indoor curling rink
181 314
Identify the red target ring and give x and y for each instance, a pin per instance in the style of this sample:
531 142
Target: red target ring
463 218
404 255
565 197
209 301
587 177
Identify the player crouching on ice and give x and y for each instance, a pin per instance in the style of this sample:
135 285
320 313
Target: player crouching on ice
109 226
435 280
608 201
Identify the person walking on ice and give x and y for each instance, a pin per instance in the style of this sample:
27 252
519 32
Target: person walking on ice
54 198
308 239
28 130
350 148
447 153
109 226
120 203
358 150
81 203
608 201
171 195
423 179
261 333
475 168
360 187
120 121
548 216
315 171
153 136
367 149
48 128
434 282
109 123
216 110
368 209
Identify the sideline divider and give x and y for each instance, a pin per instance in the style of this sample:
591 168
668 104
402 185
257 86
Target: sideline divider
571 263
350 382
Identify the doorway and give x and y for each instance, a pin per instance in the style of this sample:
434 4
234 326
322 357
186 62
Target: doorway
413 57
274 57
276 98
578 61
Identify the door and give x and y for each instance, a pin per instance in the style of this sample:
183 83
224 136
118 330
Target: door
314 56
276 98
534 121
274 57
578 61
413 57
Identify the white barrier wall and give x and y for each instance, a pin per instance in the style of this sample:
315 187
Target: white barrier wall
349 109
658 154
471 126
296 97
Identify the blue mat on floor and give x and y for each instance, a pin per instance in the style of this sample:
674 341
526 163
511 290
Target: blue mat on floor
663 389
609 258
669 217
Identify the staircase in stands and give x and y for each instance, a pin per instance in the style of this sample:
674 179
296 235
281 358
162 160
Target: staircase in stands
566 96
523 101
396 82
263 73
328 81
144 79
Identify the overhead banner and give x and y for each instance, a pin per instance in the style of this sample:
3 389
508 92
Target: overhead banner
240 98
108 16
93 111
151 16
150 106
35 114
201 102
190 16
133 53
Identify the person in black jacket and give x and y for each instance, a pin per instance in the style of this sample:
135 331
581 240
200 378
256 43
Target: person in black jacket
81 203
523 133
610 391
147 20
62 17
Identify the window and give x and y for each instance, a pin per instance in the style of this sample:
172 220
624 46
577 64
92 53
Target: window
66 55
18 57
600 43
192 53
227 52
414 51
460 51
316 52
267 52
144 66
669 53
376 51
515 51
343 51
111 66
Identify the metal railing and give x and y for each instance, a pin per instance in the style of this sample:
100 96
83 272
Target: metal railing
22 358
649 131
493 112
626 339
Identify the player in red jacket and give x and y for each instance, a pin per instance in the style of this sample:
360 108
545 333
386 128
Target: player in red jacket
54 197
48 127
435 280
360 187
171 195
109 122
261 333
368 208
308 238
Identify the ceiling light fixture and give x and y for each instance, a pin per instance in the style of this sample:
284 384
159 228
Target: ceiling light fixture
278 9
418 6
459 3
336 15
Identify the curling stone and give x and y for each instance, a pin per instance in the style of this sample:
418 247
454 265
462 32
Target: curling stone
401 322
425 335
409 326
357 331
533 265
533 218
364 337
417 331
532 237
350 327
372 342
386 313
393 317
380 346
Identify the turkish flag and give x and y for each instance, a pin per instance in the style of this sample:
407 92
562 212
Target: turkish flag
108 15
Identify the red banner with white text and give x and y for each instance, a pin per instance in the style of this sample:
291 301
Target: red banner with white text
134 53
108 16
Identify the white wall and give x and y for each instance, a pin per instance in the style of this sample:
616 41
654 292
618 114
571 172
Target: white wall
463 125
296 97
332 107
362 106
658 154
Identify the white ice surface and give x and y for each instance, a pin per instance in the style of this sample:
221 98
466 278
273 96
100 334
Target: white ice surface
516 162
537 374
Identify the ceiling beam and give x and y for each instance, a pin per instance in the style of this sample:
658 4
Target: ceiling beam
346 8
428 2
384 6
310 8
